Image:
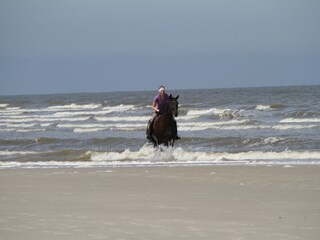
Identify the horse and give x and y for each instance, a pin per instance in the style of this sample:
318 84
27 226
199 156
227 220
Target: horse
164 126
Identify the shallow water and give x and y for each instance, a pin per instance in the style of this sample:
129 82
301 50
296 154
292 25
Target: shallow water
268 126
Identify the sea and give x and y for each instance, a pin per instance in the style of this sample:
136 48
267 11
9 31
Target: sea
265 126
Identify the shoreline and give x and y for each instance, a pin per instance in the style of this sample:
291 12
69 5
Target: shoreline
190 202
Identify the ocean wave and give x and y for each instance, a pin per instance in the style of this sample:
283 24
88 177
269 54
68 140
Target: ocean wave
101 125
74 106
179 154
11 111
10 153
300 120
269 107
302 114
109 128
199 112
21 125
123 119
43 119
16 111
226 113
68 110
294 126
94 113
63 155
119 108
215 112
200 126
87 130
149 156
253 142
4 105
187 126
15 141
89 125
31 130
22 129
72 114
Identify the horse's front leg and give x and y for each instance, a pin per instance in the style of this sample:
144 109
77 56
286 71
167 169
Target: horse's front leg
155 141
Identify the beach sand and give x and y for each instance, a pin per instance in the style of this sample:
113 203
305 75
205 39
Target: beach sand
215 202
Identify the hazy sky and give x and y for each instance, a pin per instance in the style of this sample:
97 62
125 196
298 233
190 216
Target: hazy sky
118 45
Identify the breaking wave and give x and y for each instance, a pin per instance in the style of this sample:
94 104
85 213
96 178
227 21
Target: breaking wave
149 156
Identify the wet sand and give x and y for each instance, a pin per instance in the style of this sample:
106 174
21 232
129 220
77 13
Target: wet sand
161 203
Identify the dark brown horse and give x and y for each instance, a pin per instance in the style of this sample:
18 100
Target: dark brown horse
164 126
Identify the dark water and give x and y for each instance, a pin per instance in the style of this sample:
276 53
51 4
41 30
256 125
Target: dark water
267 126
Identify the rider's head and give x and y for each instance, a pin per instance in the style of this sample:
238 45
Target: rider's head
162 89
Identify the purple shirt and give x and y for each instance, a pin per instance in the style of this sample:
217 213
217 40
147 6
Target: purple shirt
161 102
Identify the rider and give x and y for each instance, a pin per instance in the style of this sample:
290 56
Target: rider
159 104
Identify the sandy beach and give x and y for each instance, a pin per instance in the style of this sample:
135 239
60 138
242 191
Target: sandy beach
161 203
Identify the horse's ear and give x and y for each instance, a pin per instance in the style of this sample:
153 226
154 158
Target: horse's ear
170 96
177 97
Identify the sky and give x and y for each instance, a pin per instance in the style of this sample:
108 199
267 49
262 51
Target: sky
67 46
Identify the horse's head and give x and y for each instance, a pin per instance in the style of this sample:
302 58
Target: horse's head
173 105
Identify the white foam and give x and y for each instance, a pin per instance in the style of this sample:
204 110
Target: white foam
22 129
11 111
93 127
71 114
272 140
186 117
300 120
149 156
200 112
103 111
178 154
85 130
42 119
10 153
3 105
119 108
74 106
124 119
89 125
222 113
23 125
101 125
7 129
294 126
204 126
31 130
263 107
232 125
214 123
45 124
217 112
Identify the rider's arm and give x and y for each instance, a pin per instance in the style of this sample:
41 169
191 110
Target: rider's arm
154 106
